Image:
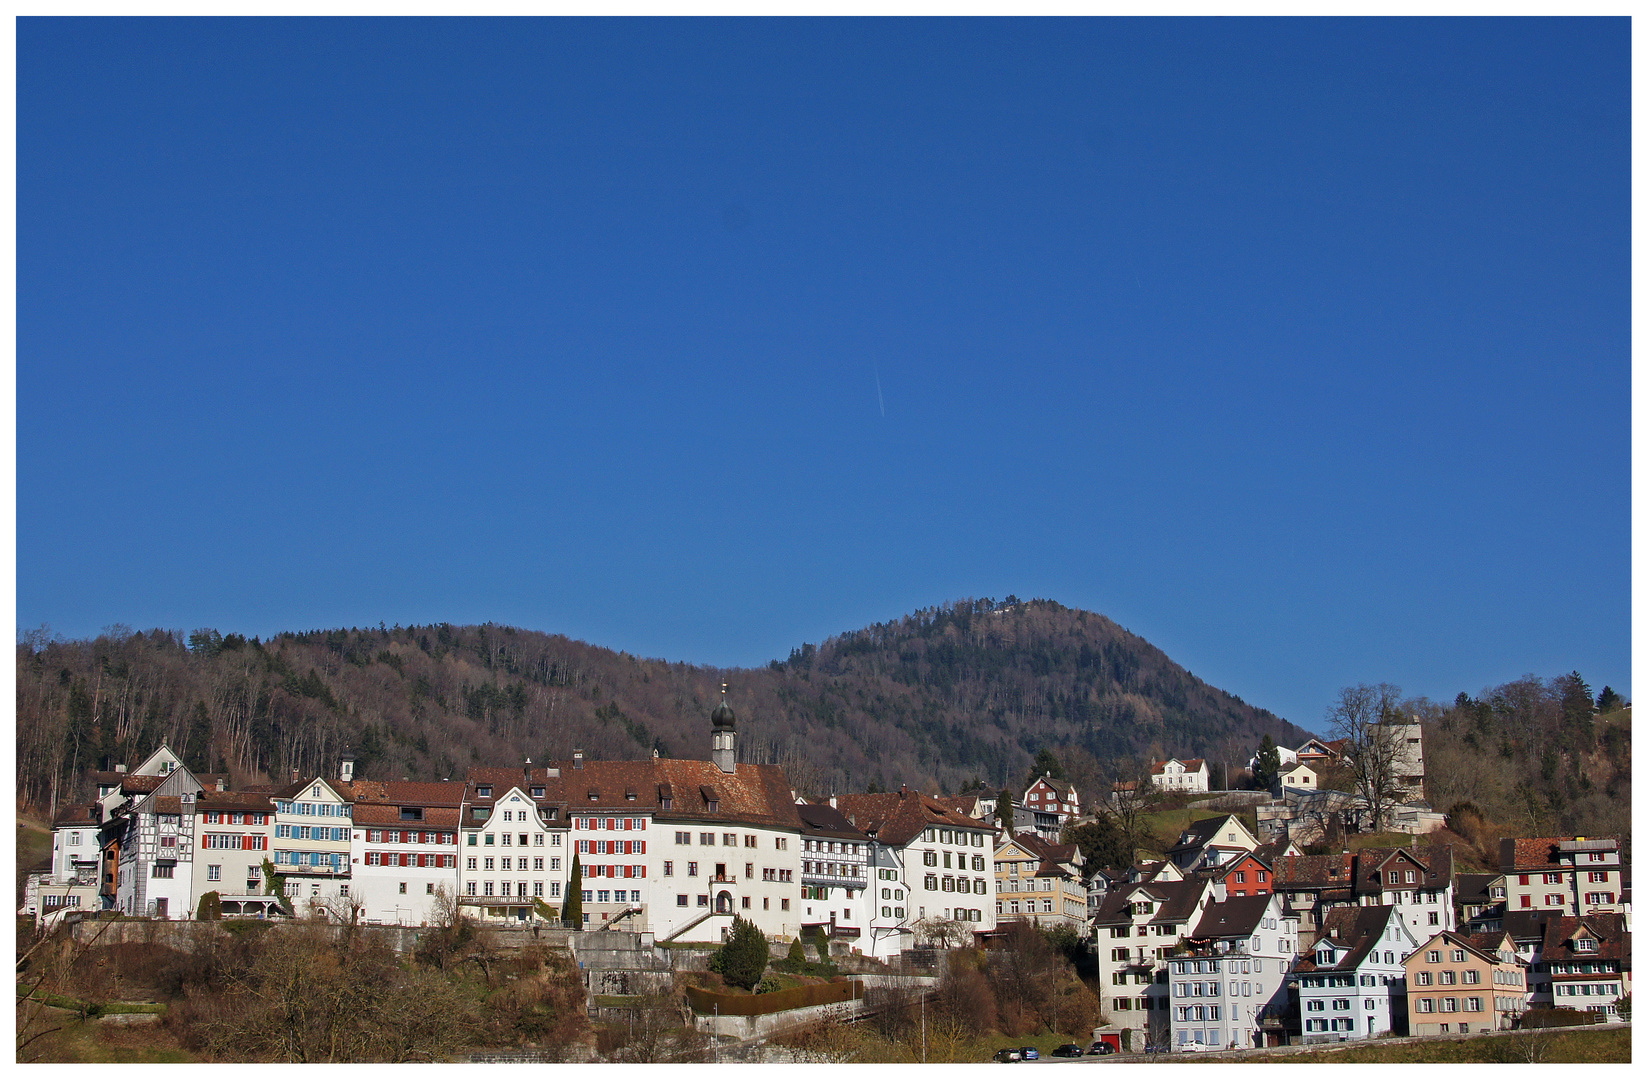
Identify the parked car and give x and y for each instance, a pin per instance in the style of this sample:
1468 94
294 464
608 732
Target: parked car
1101 1047
1068 1050
1008 1053
1029 1053
1191 1048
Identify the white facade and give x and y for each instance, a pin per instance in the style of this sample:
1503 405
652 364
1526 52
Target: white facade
707 872
234 837
1221 992
509 858
1358 1003
1176 775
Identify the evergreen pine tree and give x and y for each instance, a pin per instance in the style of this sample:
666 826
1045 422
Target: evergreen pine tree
1267 764
572 912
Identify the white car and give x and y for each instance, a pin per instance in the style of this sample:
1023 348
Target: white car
1192 1048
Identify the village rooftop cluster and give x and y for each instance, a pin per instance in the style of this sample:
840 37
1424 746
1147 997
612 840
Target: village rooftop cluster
1232 940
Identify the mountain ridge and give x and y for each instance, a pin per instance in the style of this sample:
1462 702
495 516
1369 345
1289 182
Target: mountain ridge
966 691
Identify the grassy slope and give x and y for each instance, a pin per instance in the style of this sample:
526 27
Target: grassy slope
34 850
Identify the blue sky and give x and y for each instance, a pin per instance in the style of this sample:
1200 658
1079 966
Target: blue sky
1300 348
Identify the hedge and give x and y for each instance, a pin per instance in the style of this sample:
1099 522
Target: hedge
796 997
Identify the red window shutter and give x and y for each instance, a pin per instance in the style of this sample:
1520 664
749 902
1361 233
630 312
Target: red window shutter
612 824
641 823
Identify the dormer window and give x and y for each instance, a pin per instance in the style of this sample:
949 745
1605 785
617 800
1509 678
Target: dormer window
1585 944
554 812
537 793
714 806
484 791
666 802
411 813
629 795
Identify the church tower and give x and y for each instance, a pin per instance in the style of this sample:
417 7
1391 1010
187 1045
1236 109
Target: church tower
724 735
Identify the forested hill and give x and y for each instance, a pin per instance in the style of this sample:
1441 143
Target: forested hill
971 690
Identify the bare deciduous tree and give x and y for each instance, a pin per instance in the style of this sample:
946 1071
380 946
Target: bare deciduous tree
1364 717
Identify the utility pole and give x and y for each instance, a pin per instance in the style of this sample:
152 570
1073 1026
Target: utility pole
924 1026
715 1036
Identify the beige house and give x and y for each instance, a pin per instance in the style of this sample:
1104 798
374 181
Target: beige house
1575 875
1460 983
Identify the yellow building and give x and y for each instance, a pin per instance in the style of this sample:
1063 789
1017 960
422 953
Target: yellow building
1039 881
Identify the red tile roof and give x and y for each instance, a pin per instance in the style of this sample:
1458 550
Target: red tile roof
898 817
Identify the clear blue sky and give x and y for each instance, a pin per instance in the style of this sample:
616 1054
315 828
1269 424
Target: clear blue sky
1300 348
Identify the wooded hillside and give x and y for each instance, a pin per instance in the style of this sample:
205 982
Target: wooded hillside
966 691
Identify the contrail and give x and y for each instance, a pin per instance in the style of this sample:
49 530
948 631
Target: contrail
879 399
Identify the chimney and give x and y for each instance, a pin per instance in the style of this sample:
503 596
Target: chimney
294 776
655 753
832 800
577 759
221 786
526 770
1218 892
120 768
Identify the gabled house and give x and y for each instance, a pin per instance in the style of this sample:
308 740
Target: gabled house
939 861
1584 963
1040 882
157 848
1136 929
1480 902
1228 983
311 843
1053 796
1173 774
1352 983
235 833
1211 842
836 864
1575 875
404 848
1459 983
1418 882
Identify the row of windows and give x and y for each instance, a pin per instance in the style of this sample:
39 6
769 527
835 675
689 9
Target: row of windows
828 847
1197 1012
334 859
955 884
1212 989
611 824
402 836
311 832
521 886
407 858
1588 968
931 858
537 863
852 870
958 837
1587 989
235 841
682 899
219 817
509 839
1338 1023
1211 967
612 847
1029 907
1447 1004
310 809
1470 977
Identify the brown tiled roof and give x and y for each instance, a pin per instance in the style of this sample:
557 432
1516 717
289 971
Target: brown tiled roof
1190 764
822 819
1179 900
1613 940
140 785
1526 853
1237 916
166 804
1358 928
409 792
235 800
964 804
898 817
1203 832
753 794
83 816
434 817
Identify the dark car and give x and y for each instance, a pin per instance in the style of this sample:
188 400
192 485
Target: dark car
1101 1048
1007 1053
1029 1053
1068 1050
